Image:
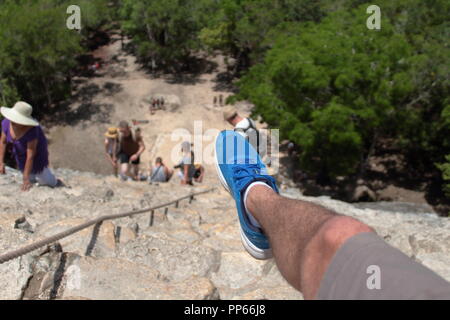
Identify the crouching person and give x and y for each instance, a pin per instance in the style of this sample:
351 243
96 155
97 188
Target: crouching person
29 145
160 172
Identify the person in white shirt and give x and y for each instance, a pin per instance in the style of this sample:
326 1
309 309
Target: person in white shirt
247 128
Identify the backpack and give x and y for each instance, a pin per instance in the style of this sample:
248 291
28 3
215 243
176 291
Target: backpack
154 174
251 125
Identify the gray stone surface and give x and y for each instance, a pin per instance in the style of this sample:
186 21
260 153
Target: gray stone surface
14 274
116 279
405 207
175 259
98 240
192 252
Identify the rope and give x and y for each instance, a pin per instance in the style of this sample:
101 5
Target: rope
38 244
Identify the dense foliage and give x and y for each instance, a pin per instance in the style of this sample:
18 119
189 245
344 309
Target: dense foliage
38 51
445 167
315 71
336 88
164 32
167 32
243 28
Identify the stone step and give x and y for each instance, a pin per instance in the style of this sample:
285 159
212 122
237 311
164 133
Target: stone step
69 276
192 251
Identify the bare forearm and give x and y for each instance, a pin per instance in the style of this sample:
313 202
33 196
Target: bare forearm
115 149
2 148
31 153
109 157
28 168
141 150
2 152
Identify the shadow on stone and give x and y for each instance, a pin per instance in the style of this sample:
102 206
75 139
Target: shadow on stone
59 273
94 238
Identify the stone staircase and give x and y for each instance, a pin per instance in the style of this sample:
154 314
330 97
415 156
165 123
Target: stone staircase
192 252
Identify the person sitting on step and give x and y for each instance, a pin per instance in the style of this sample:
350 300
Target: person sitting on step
160 172
186 165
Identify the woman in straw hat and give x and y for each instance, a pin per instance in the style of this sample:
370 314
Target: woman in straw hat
29 145
111 147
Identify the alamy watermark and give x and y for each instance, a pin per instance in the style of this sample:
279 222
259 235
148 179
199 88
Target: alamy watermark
73 275
73 22
374 280
374 21
264 142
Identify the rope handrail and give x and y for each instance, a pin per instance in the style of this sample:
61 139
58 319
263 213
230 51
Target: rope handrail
40 243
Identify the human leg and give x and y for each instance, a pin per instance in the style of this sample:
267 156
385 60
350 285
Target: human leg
169 174
45 178
200 173
135 171
304 237
135 168
330 256
113 162
321 253
124 166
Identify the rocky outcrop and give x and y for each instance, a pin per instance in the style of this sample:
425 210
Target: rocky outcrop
14 274
363 193
112 279
189 252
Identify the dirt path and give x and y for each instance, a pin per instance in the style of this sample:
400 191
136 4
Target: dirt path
116 93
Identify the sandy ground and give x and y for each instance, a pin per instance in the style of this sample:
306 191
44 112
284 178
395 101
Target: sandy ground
117 93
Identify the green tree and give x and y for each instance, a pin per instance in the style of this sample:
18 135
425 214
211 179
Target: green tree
8 94
37 51
95 14
239 28
445 168
164 31
335 87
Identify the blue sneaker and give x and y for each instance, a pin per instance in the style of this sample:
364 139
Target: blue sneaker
238 165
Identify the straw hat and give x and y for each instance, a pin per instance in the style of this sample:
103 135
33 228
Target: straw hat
112 133
20 113
229 112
